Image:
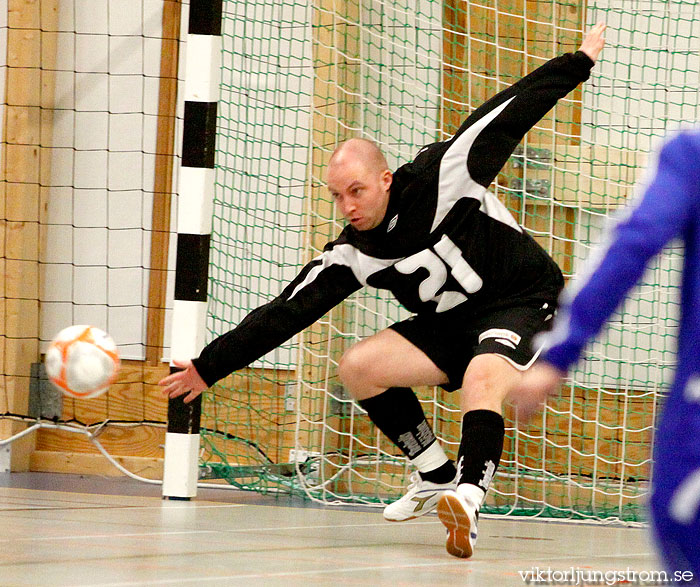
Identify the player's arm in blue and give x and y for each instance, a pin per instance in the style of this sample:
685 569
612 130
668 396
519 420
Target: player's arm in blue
666 203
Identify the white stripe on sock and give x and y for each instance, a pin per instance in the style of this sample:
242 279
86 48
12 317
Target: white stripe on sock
430 459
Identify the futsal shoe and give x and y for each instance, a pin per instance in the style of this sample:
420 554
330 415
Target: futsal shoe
459 514
420 499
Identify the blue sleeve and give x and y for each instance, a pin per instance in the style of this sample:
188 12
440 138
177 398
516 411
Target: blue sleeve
666 205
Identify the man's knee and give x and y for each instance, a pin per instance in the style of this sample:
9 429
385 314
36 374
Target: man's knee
353 368
487 381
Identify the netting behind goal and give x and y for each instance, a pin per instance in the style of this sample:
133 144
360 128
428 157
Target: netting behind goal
298 78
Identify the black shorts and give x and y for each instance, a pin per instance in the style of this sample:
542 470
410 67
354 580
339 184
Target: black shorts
451 342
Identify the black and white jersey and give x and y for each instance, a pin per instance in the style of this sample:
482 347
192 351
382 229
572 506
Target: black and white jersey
446 243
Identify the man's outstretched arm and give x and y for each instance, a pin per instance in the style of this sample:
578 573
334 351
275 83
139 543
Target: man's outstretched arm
524 104
321 285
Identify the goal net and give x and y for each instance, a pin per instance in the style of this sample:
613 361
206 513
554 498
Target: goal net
298 78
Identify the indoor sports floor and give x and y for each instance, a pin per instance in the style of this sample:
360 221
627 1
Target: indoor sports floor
70 530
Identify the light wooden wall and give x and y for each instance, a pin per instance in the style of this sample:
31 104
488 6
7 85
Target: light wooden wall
25 165
136 439
24 200
163 188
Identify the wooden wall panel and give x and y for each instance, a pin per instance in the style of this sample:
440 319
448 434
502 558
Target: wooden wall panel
31 55
162 189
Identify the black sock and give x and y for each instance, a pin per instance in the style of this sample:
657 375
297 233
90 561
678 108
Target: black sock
443 474
481 447
399 415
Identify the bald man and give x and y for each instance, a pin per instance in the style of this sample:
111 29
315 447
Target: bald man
478 285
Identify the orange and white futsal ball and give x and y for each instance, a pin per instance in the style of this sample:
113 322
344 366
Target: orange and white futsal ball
82 361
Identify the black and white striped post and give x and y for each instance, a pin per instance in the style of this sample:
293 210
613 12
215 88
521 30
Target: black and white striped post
196 195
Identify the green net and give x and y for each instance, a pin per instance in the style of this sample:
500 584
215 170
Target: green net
300 77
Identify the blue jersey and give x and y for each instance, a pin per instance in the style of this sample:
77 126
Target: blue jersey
667 207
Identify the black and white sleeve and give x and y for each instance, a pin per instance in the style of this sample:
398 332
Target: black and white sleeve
321 285
514 111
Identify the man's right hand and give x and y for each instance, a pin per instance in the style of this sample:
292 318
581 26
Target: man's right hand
594 42
539 382
182 382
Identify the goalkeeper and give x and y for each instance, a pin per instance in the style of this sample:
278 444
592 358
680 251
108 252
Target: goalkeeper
479 287
667 209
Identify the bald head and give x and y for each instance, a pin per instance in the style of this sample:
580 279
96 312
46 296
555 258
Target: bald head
361 151
359 180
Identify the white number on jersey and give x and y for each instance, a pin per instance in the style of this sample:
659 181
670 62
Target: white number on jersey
448 255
